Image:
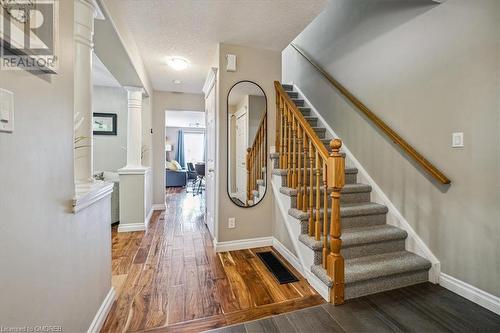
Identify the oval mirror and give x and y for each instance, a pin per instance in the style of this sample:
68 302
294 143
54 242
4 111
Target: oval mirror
247 143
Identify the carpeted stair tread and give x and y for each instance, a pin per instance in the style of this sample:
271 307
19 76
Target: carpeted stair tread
287 87
359 236
375 267
371 267
311 242
371 234
346 210
311 120
348 188
305 110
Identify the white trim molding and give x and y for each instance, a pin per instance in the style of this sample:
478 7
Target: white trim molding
210 80
134 171
102 313
394 217
159 207
473 294
243 244
288 255
130 227
89 193
315 283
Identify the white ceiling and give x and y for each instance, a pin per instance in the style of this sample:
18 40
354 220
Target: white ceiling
192 29
101 76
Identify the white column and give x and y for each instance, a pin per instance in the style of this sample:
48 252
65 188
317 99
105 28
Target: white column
85 11
134 128
134 177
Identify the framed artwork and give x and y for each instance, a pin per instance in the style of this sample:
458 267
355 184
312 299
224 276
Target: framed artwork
104 124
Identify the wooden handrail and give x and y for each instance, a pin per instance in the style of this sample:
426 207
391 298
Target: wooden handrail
313 173
396 138
302 121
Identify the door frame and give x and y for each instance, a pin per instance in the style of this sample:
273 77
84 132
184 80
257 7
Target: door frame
209 87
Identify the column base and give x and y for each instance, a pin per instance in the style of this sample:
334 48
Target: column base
134 215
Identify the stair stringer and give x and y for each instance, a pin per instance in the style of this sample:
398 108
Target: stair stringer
413 242
305 254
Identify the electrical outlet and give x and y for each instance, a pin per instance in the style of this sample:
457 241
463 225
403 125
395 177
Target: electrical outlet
231 223
457 140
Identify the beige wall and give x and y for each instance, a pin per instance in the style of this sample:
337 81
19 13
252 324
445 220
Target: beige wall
428 71
164 100
110 151
262 67
280 230
55 266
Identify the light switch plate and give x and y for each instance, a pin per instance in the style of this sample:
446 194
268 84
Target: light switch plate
231 63
457 140
231 223
6 111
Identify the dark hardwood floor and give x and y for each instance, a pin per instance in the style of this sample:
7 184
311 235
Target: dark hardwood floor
169 278
421 308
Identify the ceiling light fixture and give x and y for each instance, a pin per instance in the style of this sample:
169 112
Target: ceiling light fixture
177 81
178 63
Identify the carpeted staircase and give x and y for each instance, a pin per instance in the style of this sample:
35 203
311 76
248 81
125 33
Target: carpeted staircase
374 252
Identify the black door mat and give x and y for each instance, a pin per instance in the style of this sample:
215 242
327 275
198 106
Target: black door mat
275 266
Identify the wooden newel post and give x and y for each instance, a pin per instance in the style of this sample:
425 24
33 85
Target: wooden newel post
249 192
335 261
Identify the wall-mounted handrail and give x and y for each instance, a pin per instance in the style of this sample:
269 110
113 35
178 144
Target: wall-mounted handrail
396 138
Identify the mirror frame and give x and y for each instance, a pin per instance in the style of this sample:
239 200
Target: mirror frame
227 148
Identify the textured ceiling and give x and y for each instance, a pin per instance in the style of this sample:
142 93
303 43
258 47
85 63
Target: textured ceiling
192 29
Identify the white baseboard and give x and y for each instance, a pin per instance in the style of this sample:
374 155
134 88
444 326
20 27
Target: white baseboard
476 295
102 313
130 227
288 255
243 244
394 217
159 207
313 280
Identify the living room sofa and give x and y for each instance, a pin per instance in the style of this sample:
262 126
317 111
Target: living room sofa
175 178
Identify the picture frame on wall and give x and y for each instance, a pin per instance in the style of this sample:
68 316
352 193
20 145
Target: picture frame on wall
104 124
